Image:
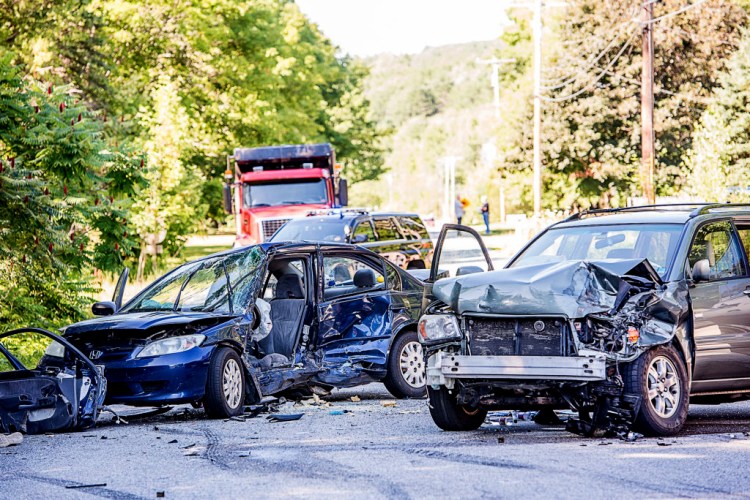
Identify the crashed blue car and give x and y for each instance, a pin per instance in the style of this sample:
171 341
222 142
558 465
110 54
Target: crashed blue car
231 328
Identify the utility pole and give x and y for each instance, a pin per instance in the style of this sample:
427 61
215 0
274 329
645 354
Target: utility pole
537 35
647 105
495 78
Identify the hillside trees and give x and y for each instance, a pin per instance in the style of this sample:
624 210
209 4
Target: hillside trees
591 134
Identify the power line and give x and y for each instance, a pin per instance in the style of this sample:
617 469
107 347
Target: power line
671 14
595 81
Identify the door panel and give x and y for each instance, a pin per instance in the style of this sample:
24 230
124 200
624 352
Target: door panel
459 248
721 311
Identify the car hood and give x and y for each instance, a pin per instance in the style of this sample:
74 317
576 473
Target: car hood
146 324
573 289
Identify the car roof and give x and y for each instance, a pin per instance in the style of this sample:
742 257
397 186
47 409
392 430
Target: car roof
349 216
268 247
653 214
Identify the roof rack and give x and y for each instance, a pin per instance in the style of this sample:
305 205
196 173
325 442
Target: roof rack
719 207
662 206
338 211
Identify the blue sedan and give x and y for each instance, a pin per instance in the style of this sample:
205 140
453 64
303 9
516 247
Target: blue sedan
234 327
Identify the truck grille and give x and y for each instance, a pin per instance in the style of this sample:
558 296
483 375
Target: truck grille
519 337
270 226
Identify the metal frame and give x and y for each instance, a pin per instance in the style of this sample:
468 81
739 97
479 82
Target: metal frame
573 368
698 209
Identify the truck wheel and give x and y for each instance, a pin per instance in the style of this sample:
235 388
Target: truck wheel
406 367
451 416
660 377
225 387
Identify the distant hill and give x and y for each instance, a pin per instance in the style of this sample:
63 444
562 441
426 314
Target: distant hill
437 103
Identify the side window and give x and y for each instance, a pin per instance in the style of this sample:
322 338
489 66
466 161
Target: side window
347 275
394 279
292 288
743 230
714 243
363 232
413 228
386 230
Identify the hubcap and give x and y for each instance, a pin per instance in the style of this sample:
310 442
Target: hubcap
663 387
232 382
411 361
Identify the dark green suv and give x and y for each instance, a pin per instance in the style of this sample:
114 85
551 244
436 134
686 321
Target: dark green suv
624 315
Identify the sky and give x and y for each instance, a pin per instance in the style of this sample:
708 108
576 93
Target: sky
368 27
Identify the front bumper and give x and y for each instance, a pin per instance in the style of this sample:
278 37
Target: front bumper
444 368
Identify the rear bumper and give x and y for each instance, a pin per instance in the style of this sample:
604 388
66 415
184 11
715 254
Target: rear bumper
444 368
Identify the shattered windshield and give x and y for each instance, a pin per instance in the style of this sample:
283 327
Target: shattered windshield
221 285
311 229
655 242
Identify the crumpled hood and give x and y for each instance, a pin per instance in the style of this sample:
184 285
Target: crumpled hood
144 324
570 288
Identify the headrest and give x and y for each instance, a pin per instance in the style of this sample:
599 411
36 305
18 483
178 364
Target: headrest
365 278
289 287
341 273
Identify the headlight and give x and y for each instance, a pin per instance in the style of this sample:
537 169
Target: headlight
171 345
55 349
438 327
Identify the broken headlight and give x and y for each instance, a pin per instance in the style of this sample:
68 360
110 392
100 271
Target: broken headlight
171 345
438 327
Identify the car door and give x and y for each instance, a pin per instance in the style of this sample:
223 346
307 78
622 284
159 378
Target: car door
390 241
721 309
354 315
459 251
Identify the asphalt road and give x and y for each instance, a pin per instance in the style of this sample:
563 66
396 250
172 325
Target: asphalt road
375 451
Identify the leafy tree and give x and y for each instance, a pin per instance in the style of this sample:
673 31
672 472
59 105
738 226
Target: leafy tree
64 195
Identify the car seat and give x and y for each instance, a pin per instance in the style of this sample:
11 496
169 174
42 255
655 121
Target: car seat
287 309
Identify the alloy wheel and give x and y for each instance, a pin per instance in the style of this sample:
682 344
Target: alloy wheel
664 388
411 362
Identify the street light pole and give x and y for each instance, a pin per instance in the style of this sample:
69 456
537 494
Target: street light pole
495 79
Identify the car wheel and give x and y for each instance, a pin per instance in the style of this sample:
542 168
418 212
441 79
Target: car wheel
225 388
660 377
406 367
451 416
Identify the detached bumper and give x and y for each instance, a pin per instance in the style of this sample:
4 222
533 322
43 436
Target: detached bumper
444 368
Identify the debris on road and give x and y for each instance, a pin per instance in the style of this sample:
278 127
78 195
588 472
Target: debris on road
77 486
356 399
280 417
13 439
338 412
388 403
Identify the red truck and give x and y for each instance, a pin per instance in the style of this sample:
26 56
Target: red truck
274 184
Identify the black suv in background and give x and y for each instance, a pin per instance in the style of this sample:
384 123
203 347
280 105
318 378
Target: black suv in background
624 315
402 238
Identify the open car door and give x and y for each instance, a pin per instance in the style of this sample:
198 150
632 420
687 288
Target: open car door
120 288
459 251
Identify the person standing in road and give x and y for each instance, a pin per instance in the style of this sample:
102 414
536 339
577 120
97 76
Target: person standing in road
458 207
485 210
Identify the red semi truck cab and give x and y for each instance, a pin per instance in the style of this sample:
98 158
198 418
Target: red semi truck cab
267 186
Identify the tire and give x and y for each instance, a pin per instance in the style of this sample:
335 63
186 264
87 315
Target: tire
663 411
225 387
406 367
449 415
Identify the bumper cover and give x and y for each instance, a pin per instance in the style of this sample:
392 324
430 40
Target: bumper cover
443 368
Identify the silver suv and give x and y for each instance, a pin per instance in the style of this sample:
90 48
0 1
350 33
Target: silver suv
623 315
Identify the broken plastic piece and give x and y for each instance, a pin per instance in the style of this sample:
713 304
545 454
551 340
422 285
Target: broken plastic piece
280 417
13 439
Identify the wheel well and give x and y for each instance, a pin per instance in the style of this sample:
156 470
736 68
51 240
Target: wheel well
409 327
232 345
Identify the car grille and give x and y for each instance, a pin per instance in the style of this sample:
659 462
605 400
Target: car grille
270 226
520 337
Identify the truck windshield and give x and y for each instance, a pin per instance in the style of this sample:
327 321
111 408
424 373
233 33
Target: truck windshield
655 242
274 193
311 229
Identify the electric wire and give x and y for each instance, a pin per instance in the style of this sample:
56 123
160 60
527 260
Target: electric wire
684 8
593 82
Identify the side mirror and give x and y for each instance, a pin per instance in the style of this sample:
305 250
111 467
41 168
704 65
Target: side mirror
227 198
461 271
343 192
105 308
360 238
702 271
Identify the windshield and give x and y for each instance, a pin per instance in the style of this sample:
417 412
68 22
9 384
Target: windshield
222 285
311 229
274 193
655 242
